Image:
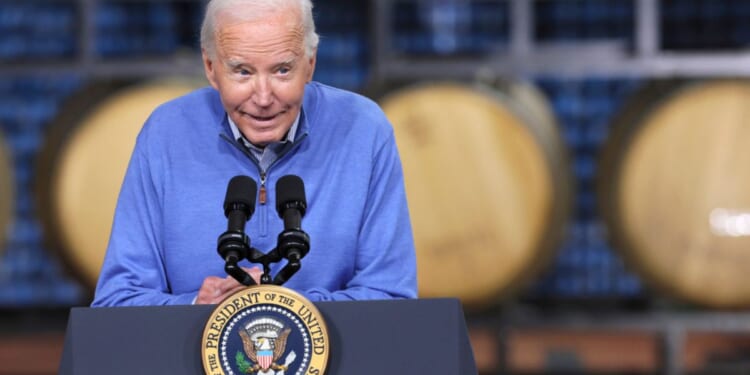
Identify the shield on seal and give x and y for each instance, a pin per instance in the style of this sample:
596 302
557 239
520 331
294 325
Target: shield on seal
265 359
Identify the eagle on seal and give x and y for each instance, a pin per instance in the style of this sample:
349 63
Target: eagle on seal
264 342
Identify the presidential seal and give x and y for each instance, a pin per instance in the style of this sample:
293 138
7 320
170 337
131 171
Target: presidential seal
265 330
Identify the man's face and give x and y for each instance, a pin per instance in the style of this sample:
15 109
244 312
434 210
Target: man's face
260 70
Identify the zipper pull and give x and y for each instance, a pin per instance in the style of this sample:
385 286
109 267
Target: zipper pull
262 193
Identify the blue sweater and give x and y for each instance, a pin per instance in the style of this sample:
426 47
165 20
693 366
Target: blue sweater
169 213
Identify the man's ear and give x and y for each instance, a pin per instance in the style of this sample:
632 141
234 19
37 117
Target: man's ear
209 68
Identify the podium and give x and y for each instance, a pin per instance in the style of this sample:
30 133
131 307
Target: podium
366 338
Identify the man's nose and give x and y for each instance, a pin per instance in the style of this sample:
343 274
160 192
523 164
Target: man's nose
263 93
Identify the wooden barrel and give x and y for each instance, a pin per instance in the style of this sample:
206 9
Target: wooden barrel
488 185
7 187
675 189
84 161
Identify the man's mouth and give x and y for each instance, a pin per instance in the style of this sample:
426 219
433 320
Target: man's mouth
263 118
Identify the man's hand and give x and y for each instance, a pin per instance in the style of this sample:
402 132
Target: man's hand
215 289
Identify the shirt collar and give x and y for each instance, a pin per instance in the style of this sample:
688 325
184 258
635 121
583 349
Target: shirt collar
289 135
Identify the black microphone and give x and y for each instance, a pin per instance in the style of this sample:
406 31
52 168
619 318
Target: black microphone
239 206
291 205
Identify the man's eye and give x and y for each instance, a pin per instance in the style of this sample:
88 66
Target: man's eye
284 70
244 72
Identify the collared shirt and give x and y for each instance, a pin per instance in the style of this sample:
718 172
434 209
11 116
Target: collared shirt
265 156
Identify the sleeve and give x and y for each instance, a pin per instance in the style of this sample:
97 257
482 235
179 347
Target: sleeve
133 272
385 256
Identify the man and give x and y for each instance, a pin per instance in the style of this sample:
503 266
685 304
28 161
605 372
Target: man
264 118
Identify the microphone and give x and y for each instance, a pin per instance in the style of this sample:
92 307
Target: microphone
293 243
239 206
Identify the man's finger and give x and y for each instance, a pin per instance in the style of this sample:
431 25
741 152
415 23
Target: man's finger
229 293
209 290
254 272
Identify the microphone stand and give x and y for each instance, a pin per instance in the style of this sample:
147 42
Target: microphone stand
233 246
291 244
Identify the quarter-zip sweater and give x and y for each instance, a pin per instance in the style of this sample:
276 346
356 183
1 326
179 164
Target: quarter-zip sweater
169 213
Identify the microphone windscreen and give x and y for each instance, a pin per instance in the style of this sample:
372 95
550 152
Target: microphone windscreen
242 190
290 189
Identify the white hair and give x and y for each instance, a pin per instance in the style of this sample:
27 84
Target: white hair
249 10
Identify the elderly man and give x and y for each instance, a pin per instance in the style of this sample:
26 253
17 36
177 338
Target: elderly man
262 117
